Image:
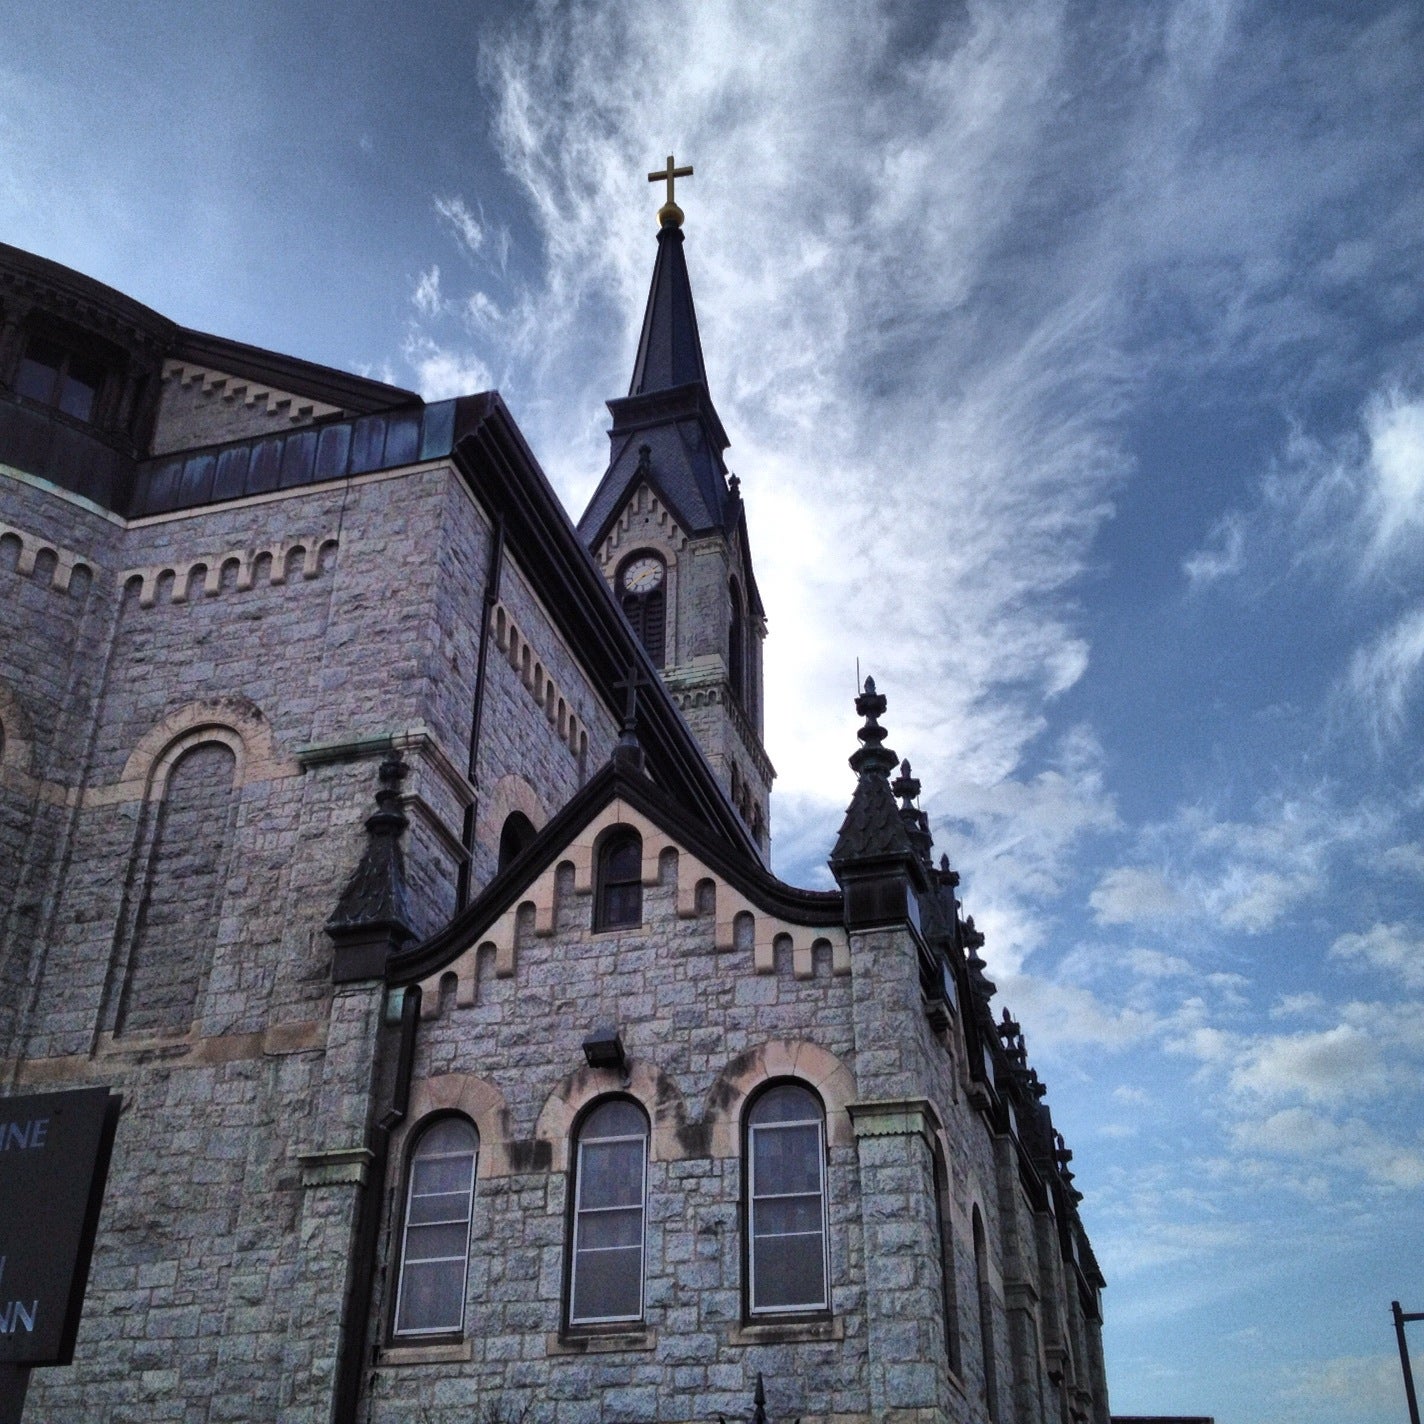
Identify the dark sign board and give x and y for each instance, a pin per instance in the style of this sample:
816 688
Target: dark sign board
54 1160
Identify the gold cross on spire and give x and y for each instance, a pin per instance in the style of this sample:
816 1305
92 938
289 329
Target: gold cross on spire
670 215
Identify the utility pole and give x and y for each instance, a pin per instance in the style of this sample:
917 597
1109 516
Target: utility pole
1400 1317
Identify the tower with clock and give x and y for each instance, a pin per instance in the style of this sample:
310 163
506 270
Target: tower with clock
669 530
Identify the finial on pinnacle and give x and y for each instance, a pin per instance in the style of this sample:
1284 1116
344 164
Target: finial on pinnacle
871 757
670 215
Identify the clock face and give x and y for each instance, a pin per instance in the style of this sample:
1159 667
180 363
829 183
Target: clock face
643 575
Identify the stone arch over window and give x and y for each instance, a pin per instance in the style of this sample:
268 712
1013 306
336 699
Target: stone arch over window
986 1316
808 1063
435 1229
641 586
618 884
785 1222
659 1095
608 1196
181 864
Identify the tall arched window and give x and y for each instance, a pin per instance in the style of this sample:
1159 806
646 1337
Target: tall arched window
517 833
176 924
435 1248
642 593
787 1263
737 645
610 1190
986 1318
948 1287
619 896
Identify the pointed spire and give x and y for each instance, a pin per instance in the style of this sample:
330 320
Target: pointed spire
669 349
872 827
372 917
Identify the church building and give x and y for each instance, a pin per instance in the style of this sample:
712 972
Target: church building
398 848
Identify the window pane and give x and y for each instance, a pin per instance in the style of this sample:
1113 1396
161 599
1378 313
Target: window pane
608 1285
439 1207
787 1159
782 1216
38 374
611 1174
624 861
78 393
786 1104
603 1230
789 1272
431 1296
618 1118
447 1241
441 1174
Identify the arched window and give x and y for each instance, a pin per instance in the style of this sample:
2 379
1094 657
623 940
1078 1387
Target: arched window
619 900
986 1318
948 1288
737 646
175 926
610 1189
642 593
435 1249
517 833
787 1268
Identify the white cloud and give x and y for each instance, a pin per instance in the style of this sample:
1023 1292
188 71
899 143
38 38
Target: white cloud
441 373
468 230
1330 1066
1352 1144
1223 554
426 298
1395 425
1397 950
1384 674
1130 893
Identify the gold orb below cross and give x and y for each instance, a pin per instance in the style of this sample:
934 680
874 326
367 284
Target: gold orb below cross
670 215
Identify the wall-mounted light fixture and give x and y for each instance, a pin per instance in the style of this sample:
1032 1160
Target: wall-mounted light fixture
604 1049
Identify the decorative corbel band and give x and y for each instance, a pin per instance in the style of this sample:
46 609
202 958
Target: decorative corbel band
343 1166
894 1117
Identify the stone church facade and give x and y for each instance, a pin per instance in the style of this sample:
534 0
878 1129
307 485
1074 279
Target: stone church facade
398 849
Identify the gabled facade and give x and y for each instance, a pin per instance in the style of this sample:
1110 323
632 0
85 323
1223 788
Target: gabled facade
474 1063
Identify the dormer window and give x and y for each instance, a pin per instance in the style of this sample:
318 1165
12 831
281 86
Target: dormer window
55 376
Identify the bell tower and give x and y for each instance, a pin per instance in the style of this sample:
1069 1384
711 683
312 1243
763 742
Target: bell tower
667 526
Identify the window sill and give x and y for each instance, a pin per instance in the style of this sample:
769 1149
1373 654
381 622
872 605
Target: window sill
555 1344
459 1353
788 1332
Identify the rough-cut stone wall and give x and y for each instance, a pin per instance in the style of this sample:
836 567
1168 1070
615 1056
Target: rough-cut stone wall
702 1028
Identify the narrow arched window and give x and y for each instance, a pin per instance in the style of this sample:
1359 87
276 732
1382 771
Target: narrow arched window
787 1266
610 1190
642 595
948 1288
737 646
518 832
619 899
986 1318
435 1247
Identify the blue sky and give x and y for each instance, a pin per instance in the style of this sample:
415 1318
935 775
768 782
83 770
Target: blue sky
1073 358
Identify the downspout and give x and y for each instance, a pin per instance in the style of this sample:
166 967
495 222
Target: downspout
355 1327
467 833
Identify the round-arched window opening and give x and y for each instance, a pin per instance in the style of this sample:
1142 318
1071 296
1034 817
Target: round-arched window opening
641 586
516 836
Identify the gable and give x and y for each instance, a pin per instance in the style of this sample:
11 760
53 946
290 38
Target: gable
535 906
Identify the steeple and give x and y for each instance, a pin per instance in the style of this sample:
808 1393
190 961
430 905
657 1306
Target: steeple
668 407
669 350
668 527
